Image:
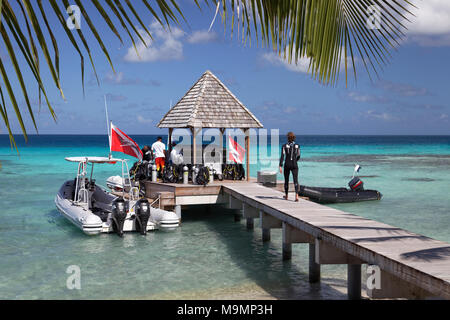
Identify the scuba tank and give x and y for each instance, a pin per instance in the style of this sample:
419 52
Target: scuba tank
185 175
194 174
154 173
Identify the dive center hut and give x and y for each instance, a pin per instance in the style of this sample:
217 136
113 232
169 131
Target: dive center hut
210 104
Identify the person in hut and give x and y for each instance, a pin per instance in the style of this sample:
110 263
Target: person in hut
176 158
290 154
175 155
147 154
158 149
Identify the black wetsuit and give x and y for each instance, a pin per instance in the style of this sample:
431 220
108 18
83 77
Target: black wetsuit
290 154
147 155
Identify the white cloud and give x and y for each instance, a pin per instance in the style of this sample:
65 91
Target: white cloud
115 97
166 45
202 36
431 26
143 120
380 115
290 110
301 66
361 97
119 78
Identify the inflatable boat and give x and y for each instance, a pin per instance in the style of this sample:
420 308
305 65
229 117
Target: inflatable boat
338 195
354 193
94 210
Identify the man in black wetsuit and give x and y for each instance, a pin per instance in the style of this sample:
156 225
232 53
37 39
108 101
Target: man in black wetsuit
290 154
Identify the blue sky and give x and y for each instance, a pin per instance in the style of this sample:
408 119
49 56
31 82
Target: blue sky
411 97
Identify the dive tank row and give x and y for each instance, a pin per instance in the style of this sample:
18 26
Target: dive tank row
120 208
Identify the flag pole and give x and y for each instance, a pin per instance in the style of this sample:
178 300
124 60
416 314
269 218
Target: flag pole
108 127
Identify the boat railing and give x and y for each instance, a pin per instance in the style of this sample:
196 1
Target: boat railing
157 200
83 195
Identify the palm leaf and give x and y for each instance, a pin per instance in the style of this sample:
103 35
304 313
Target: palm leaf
327 32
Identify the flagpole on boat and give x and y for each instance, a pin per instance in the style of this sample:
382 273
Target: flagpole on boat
108 127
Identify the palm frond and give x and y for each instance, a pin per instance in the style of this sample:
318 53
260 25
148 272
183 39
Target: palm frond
323 31
327 32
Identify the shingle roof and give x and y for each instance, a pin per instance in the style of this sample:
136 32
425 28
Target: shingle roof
209 104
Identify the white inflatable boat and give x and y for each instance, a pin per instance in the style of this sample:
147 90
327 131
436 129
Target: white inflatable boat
95 210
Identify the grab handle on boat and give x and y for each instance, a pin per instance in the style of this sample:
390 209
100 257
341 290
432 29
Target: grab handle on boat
83 195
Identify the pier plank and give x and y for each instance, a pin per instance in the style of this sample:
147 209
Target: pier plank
420 260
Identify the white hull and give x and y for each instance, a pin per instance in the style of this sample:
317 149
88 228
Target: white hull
91 224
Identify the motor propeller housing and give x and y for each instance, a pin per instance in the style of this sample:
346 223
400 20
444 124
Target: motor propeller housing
142 211
119 214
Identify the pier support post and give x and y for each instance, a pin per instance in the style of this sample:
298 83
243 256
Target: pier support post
265 235
268 222
314 268
292 235
354 281
327 253
250 224
234 203
250 213
237 205
287 251
387 286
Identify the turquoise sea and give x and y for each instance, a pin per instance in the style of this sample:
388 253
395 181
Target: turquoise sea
210 256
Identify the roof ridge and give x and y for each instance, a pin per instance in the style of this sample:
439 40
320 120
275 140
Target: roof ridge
181 99
235 98
199 97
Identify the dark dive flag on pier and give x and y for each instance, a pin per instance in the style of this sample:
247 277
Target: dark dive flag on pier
120 142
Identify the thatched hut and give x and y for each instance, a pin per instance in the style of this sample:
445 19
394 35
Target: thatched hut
210 104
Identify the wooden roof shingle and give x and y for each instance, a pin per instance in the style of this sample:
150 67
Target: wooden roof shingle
209 104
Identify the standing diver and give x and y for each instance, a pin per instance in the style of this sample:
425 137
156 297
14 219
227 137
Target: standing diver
290 151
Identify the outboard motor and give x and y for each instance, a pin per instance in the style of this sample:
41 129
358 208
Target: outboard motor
356 184
142 211
119 213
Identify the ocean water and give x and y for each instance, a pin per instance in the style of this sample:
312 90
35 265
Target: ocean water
210 256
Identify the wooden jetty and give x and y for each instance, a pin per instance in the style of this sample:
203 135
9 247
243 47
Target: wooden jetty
407 265
410 265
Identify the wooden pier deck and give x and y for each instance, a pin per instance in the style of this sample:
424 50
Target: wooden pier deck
410 265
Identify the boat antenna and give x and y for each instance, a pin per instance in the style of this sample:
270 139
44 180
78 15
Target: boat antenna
108 127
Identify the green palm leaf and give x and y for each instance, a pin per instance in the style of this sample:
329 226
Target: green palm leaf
331 34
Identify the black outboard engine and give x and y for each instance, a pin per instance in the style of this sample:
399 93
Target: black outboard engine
142 211
356 184
119 213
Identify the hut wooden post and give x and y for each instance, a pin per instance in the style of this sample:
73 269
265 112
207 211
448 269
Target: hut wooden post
195 131
247 151
194 143
224 155
170 141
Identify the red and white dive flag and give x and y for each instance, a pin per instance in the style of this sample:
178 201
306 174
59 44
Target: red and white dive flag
120 142
236 152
